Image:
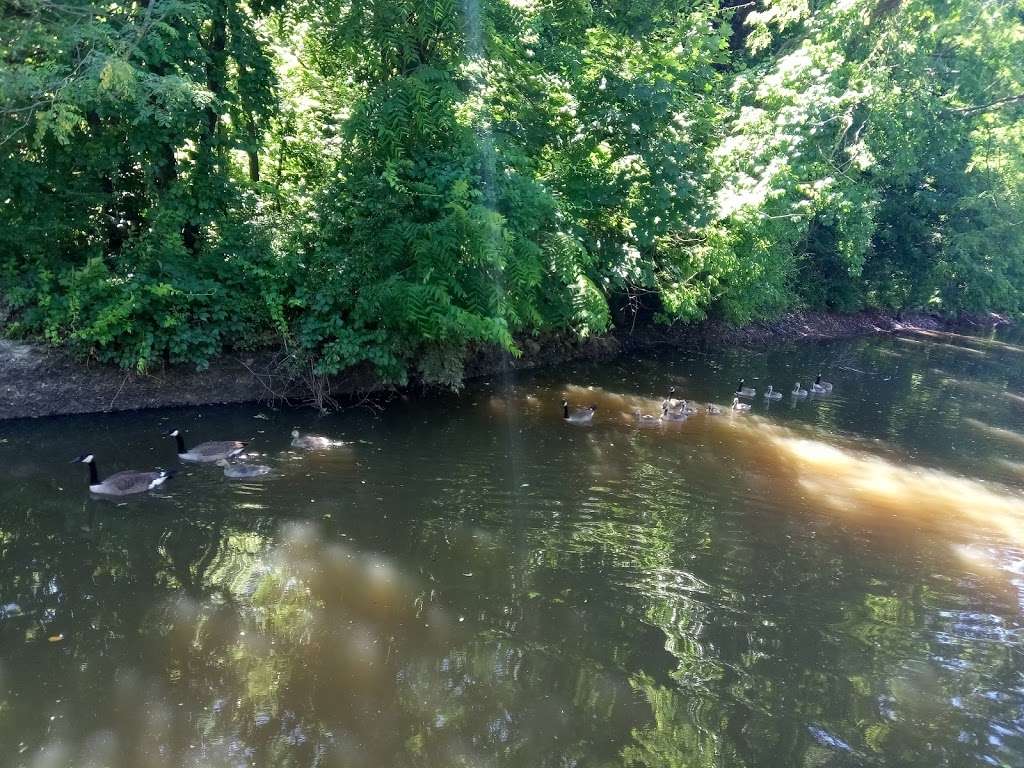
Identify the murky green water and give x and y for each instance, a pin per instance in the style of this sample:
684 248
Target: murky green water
835 582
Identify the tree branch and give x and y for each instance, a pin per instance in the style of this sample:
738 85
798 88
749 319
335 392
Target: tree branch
996 104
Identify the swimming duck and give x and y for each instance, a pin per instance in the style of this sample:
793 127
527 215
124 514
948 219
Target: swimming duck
312 442
583 415
820 387
713 410
742 391
738 406
771 394
671 402
243 470
207 452
122 483
798 391
667 415
646 419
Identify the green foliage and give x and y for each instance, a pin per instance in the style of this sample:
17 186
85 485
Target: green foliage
393 183
129 233
869 131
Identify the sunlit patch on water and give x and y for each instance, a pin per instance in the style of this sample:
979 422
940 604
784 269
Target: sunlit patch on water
999 567
1015 467
973 341
1002 433
828 475
943 345
856 482
978 388
622 407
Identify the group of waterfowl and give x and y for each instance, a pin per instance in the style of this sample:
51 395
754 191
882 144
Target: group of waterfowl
674 409
223 453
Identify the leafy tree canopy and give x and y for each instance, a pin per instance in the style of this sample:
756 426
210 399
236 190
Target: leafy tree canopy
394 182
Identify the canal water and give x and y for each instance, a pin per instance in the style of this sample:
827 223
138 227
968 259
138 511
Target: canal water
470 581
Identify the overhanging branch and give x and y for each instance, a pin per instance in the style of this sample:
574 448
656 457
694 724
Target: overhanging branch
996 104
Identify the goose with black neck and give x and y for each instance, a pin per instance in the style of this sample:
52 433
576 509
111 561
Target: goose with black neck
209 452
123 483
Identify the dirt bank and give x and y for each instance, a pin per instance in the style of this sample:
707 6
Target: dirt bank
40 381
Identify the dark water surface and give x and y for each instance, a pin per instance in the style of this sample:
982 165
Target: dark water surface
472 582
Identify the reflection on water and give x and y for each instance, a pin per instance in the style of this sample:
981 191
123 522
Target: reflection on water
972 341
837 581
999 432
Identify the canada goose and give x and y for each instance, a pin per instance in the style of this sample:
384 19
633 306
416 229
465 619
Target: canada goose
207 452
243 470
685 408
122 483
738 406
820 387
667 415
578 415
312 442
798 391
713 410
742 391
771 394
670 402
645 419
